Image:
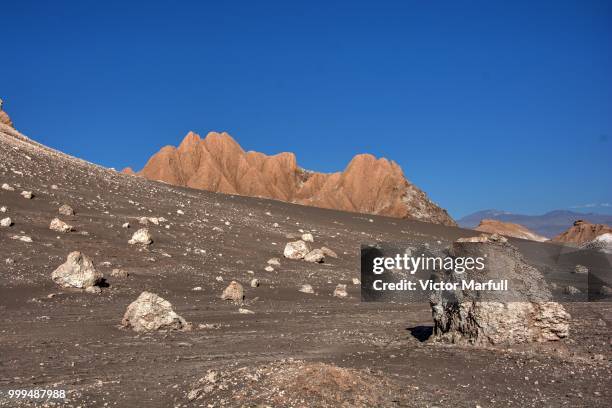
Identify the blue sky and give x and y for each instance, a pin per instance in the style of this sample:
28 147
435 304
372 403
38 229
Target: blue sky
484 104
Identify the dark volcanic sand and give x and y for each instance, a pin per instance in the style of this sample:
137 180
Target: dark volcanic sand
73 341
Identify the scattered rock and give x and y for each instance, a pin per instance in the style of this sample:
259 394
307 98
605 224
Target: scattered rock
274 261
581 269
233 292
356 281
150 313
307 237
328 252
93 289
125 225
142 237
59 226
197 289
306 288
27 194
77 272
7 187
245 311
269 269
66 210
296 250
3 209
254 283
340 290
571 290
23 238
6 222
315 256
119 273
9 261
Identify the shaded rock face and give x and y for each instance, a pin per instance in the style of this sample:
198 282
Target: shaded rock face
582 232
508 229
523 313
218 163
150 313
77 272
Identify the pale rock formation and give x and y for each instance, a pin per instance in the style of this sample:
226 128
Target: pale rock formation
315 256
59 226
6 222
77 272
150 313
340 291
141 237
307 237
66 210
582 232
234 292
523 313
306 288
296 250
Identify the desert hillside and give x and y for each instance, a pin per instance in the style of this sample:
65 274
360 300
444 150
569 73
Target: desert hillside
508 229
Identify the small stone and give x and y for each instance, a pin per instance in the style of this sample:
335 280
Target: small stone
581 269
571 290
328 252
269 269
254 283
93 289
233 292
315 256
27 194
3 209
66 210
245 311
142 237
197 289
119 273
7 187
125 225
23 238
307 237
274 261
9 261
356 281
340 291
6 222
59 226
306 288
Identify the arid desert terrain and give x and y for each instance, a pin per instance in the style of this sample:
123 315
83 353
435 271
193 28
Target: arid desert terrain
281 347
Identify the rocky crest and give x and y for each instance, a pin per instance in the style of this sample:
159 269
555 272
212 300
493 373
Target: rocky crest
582 232
508 229
218 163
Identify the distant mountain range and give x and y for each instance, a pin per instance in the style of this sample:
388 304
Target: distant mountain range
549 225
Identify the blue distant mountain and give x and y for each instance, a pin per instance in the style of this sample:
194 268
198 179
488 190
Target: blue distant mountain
550 224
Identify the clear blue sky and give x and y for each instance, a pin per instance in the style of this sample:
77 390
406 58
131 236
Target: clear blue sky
484 104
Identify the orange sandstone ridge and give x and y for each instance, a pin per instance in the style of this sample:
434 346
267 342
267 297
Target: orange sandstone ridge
218 163
582 231
508 229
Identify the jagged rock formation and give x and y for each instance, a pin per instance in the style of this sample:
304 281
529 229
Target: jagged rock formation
218 163
582 232
523 313
508 229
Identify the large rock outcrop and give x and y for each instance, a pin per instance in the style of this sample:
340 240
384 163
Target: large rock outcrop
508 229
523 313
582 231
218 163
